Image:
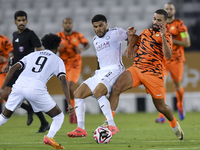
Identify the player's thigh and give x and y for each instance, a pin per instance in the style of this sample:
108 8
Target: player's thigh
83 91
154 86
108 78
176 71
39 99
15 99
131 78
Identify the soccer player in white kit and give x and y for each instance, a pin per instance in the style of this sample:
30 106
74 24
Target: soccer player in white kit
107 43
39 66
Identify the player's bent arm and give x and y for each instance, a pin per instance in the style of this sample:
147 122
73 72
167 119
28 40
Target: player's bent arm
86 46
166 49
65 88
185 42
14 68
131 48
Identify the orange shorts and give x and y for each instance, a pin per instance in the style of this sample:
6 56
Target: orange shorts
73 70
2 78
176 70
153 84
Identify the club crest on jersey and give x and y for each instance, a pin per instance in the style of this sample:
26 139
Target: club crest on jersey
74 40
157 35
107 37
21 48
172 28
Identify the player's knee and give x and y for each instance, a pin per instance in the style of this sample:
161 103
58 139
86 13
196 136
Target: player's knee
116 89
59 117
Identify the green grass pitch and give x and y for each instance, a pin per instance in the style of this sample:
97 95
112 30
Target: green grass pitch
138 131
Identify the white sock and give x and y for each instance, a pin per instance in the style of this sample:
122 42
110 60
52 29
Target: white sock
55 125
105 108
80 112
3 119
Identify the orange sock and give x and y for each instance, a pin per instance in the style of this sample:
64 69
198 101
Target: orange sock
160 114
179 96
173 123
113 114
73 102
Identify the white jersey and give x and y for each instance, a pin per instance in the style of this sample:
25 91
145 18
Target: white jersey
108 47
40 66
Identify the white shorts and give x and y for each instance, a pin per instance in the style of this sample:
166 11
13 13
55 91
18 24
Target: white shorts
108 77
39 99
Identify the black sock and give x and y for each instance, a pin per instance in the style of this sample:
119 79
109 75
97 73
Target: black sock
42 118
27 107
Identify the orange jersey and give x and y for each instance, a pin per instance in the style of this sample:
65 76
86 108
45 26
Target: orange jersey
149 57
175 28
70 42
5 48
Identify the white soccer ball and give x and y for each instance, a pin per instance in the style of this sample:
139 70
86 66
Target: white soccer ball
102 135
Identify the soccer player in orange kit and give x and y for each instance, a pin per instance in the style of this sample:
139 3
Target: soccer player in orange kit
5 48
175 65
70 53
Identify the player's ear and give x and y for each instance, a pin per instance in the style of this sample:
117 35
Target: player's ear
106 24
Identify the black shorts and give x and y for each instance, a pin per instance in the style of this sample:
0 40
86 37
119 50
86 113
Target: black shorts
14 78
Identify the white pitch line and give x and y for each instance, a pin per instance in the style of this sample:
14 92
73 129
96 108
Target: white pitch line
175 148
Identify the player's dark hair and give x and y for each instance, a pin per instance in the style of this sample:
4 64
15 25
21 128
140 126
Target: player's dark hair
20 13
51 41
162 12
99 17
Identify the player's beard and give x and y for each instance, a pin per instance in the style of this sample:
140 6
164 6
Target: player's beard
155 29
68 30
170 17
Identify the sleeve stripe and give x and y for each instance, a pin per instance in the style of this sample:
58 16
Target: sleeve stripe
22 64
61 73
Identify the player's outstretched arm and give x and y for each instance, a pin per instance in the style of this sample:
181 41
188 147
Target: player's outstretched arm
65 88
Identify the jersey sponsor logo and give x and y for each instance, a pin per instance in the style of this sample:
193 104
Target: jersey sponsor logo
103 45
17 40
21 48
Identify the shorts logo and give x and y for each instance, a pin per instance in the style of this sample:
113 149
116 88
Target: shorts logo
158 95
21 48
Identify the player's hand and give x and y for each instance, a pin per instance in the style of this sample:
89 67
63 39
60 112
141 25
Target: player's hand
131 31
78 50
5 68
2 59
162 30
70 110
129 52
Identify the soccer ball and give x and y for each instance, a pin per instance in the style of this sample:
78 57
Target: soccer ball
102 135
